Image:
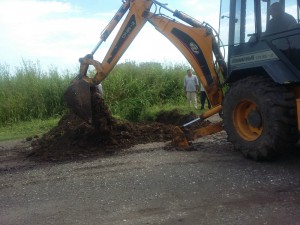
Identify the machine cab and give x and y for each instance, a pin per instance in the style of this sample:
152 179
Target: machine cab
259 42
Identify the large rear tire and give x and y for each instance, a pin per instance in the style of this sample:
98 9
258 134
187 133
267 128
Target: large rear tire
260 117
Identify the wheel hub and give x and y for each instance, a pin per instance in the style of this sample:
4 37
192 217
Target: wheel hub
254 118
248 120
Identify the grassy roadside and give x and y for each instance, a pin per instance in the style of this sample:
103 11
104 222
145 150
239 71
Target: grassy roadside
27 129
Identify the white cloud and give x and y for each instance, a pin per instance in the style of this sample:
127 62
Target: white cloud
49 31
18 11
58 33
150 45
203 10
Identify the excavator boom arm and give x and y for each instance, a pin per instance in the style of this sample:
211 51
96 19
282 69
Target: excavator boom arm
195 40
131 26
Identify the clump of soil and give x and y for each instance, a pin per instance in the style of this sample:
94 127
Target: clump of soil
73 138
174 117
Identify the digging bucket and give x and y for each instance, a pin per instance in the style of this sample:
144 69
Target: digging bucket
78 98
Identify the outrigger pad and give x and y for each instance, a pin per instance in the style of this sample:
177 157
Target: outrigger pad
78 98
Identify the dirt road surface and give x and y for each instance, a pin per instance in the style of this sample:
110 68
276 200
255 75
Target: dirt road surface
150 184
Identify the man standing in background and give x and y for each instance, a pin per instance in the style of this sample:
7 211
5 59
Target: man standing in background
100 89
203 97
191 86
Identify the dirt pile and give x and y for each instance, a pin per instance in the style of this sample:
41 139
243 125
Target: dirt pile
73 138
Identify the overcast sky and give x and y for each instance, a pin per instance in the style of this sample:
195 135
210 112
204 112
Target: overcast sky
59 32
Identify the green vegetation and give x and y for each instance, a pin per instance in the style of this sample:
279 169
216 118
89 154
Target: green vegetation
27 129
31 93
132 91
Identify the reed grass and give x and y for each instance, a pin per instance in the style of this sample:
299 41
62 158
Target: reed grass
31 93
132 91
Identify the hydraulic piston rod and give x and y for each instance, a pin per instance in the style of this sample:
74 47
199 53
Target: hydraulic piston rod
112 24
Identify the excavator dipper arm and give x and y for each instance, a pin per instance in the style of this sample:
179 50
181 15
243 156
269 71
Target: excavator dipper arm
133 23
78 96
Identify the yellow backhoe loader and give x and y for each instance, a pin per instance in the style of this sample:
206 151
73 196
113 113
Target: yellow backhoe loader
260 110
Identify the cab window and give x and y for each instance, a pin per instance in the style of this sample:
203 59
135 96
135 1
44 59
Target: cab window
274 24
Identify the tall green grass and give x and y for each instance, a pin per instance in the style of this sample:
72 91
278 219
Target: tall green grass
132 91
31 93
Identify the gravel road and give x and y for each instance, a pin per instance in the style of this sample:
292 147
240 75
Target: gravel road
148 184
